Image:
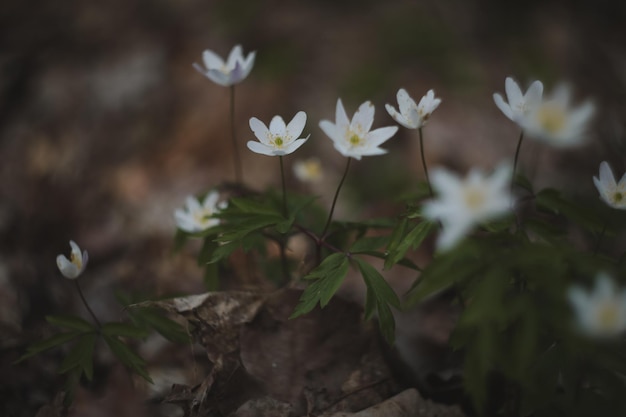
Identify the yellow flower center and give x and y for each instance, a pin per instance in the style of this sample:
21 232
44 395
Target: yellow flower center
607 316
202 216
474 198
618 197
354 139
552 118
76 260
278 142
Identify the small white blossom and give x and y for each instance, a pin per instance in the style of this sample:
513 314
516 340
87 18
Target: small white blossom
73 267
519 105
279 139
234 70
308 170
463 203
197 216
601 312
556 123
613 194
413 116
353 139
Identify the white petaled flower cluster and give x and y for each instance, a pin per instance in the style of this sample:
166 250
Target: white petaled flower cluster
613 193
548 119
353 138
197 216
463 203
279 139
308 170
73 267
600 313
234 70
411 115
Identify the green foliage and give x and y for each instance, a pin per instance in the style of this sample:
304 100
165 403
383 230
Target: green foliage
129 358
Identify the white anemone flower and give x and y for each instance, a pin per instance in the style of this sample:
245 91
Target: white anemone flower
234 70
73 267
518 106
411 115
463 203
602 312
553 121
353 138
197 216
613 194
279 139
308 170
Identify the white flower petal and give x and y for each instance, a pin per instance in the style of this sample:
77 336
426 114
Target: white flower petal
502 105
378 136
341 118
67 268
260 130
293 146
607 179
211 200
330 129
212 60
363 118
261 148
277 126
296 125
513 93
534 94
405 102
236 55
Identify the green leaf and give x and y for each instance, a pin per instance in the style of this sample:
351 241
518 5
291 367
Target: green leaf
369 244
380 294
71 322
247 205
552 200
223 251
412 240
523 182
52 342
154 319
124 330
129 358
81 355
328 277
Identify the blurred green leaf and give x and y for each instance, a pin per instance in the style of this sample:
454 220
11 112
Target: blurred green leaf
51 342
71 322
124 330
155 319
81 355
369 244
129 358
552 200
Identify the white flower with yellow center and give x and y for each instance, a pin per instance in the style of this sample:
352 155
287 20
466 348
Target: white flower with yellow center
279 139
463 203
234 70
308 170
613 194
73 267
411 115
197 216
601 312
518 106
556 123
353 139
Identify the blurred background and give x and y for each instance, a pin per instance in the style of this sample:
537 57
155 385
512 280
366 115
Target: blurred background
105 127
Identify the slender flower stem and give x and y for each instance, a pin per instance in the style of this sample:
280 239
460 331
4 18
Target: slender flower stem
282 177
332 207
236 157
82 297
430 188
519 145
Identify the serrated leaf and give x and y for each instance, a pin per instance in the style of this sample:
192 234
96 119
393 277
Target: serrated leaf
523 182
124 330
223 251
552 200
241 229
154 319
412 240
328 277
248 205
81 355
377 283
52 342
71 322
129 358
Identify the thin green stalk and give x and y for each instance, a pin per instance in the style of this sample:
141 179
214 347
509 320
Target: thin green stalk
82 297
430 188
519 146
332 207
282 177
236 157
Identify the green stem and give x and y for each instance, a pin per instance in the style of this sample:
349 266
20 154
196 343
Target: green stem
430 189
82 297
236 157
332 207
519 146
282 177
